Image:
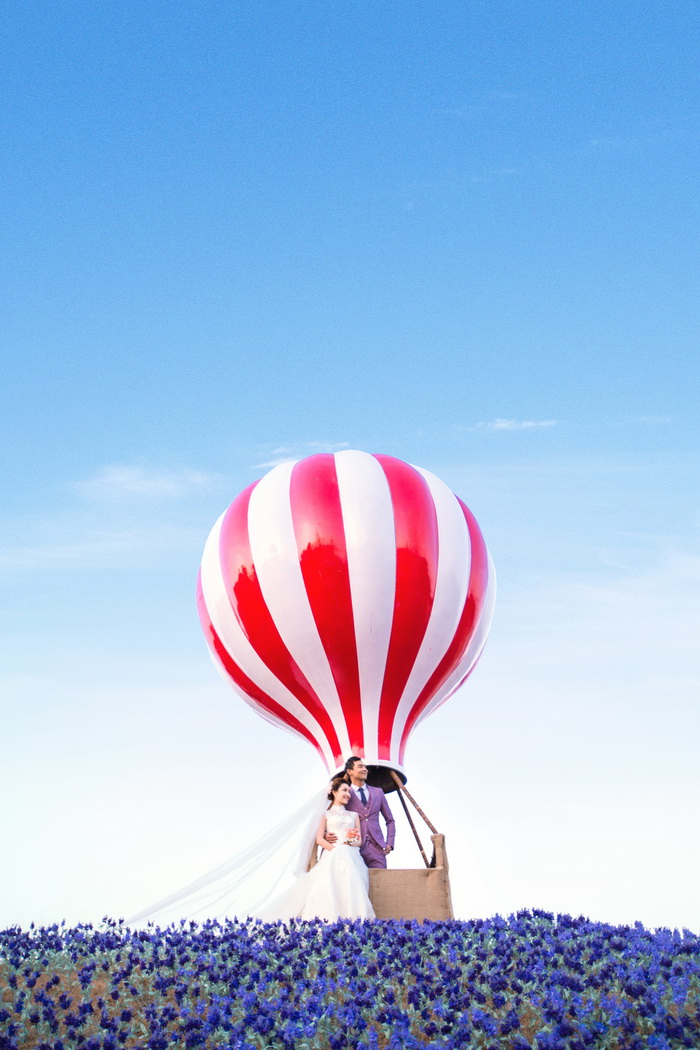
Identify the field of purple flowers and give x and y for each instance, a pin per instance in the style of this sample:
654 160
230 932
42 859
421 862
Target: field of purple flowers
534 980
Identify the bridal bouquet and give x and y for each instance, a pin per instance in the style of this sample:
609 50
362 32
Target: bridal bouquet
351 837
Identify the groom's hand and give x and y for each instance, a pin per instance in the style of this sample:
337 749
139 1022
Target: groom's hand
330 837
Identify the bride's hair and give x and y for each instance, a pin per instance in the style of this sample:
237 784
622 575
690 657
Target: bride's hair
335 784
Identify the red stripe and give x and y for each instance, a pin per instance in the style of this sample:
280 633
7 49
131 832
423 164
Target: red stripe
258 699
468 622
415 525
320 536
243 589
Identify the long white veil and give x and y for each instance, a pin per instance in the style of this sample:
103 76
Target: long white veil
249 881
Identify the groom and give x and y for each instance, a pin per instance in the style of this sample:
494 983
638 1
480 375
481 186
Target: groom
369 802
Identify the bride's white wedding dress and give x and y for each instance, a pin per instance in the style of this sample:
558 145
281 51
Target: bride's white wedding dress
336 888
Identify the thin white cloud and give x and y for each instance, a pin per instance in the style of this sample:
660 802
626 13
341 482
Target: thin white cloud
118 483
514 424
86 544
285 453
125 514
525 424
96 548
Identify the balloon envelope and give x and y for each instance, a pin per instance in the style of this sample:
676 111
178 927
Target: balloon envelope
345 597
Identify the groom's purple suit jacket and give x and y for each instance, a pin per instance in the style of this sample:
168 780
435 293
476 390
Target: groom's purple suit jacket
373 841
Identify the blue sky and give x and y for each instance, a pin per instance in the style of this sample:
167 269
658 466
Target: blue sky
462 234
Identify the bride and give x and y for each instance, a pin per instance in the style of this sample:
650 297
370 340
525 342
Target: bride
337 887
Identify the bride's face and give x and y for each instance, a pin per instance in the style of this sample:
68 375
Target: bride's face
341 797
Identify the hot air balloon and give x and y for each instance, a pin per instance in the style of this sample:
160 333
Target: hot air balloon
345 597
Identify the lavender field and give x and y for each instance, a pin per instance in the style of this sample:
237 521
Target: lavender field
533 980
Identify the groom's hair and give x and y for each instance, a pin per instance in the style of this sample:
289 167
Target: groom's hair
351 762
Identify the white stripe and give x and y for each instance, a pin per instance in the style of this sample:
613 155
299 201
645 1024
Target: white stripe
473 650
454 560
370 539
229 630
276 559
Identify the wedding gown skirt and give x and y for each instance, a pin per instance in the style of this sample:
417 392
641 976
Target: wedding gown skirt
336 888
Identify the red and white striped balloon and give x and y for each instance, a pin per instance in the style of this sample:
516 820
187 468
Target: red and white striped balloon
346 597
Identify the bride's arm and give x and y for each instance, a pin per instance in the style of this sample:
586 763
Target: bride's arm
320 840
357 829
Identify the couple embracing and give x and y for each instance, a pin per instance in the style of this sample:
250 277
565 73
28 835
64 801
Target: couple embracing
352 841
368 803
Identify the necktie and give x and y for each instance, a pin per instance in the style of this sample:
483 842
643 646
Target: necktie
363 796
